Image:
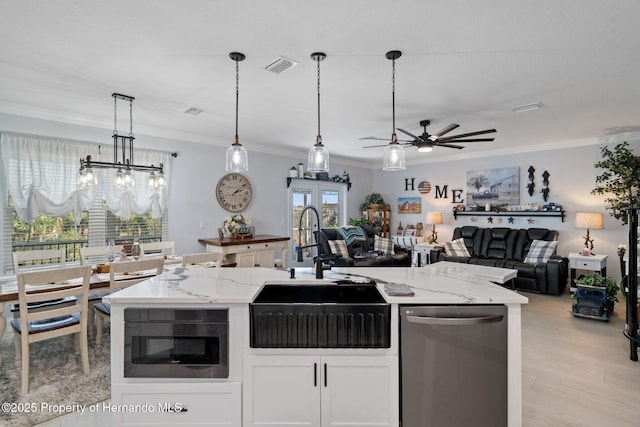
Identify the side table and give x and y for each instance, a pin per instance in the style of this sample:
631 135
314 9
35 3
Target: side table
578 261
422 254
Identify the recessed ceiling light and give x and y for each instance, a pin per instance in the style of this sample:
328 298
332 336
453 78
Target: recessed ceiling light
527 107
193 111
280 64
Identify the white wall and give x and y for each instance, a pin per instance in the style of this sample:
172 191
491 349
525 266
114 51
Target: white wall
572 177
195 172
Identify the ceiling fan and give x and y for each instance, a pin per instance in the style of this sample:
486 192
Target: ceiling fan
426 141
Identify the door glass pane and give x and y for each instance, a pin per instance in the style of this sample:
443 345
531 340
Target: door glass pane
330 208
302 233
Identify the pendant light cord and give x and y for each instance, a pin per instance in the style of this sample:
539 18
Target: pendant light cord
394 138
236 140
318 138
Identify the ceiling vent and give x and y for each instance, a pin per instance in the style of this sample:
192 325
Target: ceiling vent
193 111
280 64
528 107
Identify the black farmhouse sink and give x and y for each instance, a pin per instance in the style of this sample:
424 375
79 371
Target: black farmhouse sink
320 316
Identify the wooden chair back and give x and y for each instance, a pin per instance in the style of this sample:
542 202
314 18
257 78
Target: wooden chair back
209 259
55 320
38 259
91 255
157 248
127 273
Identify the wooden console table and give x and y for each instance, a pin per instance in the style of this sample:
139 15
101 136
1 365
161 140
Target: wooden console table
259 251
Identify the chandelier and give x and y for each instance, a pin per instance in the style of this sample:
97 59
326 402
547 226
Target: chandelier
123 161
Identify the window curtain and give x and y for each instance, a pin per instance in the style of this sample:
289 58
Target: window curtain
41 175
139 198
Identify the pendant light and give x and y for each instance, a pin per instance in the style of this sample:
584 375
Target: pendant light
236 158
318 160
393 159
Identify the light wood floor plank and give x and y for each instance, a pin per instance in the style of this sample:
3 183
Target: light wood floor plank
576 372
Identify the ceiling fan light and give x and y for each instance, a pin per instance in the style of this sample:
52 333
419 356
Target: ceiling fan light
237 159
318 159
394 158
425 148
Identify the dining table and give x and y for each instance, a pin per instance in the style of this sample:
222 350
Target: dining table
9 288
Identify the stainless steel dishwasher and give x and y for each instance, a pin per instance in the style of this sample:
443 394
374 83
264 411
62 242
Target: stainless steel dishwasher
453 362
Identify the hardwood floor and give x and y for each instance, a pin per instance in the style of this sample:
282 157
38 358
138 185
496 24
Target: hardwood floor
576 371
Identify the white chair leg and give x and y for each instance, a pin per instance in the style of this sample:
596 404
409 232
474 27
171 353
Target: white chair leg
99 327
84 352
17 343
25 364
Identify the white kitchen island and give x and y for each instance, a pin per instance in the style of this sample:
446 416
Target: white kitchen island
259 378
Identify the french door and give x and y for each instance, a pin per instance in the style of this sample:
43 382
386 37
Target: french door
329 200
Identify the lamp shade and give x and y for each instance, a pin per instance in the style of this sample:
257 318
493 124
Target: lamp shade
394 159
434 217
589 220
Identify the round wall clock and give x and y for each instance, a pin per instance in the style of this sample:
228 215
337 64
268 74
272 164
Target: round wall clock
234 192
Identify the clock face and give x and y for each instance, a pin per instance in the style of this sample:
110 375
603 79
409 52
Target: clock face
234 192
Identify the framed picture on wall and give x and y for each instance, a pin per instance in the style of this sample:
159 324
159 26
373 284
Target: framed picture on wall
409 205
494 186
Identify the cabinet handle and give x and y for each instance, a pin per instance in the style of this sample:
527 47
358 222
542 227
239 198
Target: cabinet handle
325 374
315 374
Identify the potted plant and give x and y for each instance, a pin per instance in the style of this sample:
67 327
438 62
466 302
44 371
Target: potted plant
361 220
620 178
591 301
374 201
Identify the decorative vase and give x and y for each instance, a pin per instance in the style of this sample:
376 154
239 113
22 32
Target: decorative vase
375 206
246 235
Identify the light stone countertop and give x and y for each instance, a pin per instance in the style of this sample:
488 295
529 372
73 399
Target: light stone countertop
439 283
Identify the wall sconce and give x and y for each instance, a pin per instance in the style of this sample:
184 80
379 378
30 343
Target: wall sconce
588 220
434 218
530 184
545 186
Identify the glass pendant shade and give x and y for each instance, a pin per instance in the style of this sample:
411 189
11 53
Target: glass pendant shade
318 160
237 159
393 159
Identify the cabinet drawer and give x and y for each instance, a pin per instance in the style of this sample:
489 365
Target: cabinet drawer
253 247
587 264
213 404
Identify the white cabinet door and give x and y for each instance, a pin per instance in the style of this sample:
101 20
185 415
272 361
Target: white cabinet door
265 258
320 391
245 259
281 391
360 391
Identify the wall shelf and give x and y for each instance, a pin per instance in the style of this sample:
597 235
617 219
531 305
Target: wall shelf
550 214
289 179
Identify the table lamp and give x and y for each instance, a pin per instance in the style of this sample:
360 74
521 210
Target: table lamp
434 218
588 220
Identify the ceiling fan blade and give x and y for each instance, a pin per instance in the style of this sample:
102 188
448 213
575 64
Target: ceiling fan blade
448 129
463 135
466 140
373 138
384 145
410 134
459 147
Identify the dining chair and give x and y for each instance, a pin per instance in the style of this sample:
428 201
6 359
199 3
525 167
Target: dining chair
157 248
209 259
122 275
40 259
54 320
94 255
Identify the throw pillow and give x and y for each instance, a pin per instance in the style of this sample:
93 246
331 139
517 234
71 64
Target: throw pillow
456 248
339 247
540 251
383 245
